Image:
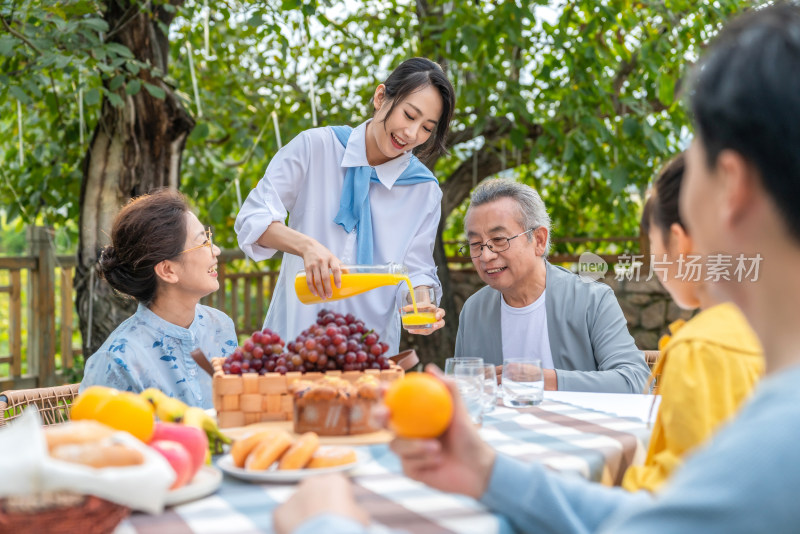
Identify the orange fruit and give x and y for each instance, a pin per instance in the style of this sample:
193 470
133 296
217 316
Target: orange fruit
129 412
421 406
86 404
121 410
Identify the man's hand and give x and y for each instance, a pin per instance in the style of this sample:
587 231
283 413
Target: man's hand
550 380
434 327
331 494
458 461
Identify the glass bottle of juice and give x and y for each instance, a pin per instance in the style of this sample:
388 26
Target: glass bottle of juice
356 279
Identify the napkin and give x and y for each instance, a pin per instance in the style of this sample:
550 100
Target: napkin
28 469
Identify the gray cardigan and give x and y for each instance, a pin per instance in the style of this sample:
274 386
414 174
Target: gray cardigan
589 339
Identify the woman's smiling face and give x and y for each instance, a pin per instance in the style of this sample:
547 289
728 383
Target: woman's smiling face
196 266
410 124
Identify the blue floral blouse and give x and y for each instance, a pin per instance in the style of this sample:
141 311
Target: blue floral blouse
145 351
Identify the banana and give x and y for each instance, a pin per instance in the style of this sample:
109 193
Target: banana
197 417
170 410
153 395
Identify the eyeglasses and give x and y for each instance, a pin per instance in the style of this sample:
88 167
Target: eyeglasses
495 244
207 243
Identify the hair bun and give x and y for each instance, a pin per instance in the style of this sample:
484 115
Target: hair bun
108 260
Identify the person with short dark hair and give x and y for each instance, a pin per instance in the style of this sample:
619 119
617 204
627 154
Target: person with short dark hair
355 196
162 256
741 197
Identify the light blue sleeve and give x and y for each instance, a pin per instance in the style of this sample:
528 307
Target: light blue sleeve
537 500
109 369
334 524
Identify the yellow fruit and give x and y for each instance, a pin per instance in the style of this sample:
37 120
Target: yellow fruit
153 395
87 403
170 410
128 412
421 406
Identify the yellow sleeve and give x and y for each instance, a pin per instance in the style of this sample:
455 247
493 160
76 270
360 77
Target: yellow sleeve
702 386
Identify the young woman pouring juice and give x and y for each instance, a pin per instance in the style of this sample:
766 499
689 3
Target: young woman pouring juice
355 197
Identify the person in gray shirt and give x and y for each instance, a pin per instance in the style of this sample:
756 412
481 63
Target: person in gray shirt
531 308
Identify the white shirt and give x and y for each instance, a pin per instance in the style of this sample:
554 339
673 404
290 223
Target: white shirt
305 179
524 332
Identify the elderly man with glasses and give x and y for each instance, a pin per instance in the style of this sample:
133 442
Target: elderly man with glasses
531 308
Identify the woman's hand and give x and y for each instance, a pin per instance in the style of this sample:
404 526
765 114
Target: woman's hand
320 263
326 494
459 461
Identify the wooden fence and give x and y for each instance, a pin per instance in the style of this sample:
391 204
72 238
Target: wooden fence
47 307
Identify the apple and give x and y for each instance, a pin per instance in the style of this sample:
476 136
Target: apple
178 457
192 438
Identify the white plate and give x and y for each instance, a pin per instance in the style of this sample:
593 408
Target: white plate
288 475
205 482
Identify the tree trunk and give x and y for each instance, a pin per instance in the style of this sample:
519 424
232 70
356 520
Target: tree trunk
134 149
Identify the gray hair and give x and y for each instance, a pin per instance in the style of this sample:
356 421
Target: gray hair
532 211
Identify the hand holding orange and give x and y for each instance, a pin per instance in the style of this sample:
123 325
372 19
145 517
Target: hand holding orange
421 406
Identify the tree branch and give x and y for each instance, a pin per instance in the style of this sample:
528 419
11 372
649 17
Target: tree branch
19 36
459 184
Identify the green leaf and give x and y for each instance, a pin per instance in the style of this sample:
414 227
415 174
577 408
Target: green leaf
200 131
92 97
7 44
617 178
17 92
115 99
518 137
119 49
133 86
155 91
116 82
96 24
630 127
666 89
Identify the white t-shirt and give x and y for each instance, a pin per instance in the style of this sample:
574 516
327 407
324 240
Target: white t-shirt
524 331
305 179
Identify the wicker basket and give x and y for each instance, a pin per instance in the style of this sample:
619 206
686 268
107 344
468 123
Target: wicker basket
53 403
60 513
251 398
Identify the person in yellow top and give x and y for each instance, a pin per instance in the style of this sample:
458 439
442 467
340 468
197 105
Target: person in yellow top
709 365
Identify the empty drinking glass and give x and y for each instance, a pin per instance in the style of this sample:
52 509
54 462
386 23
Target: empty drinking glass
489 387
468 374
523 382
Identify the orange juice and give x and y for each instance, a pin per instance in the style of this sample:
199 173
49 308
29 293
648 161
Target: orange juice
352 284
418 319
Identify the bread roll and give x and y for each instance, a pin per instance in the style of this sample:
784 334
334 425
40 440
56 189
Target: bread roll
301 452
332 457
98 454
76 432
268 451
242 448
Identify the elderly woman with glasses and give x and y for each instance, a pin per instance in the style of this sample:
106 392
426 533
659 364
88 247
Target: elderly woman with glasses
162 256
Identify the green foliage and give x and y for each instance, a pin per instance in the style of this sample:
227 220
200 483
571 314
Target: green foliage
591 91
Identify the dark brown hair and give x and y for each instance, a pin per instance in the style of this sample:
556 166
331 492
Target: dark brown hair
415 74
148 230
661 207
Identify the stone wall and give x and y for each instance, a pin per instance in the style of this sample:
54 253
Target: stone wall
646 305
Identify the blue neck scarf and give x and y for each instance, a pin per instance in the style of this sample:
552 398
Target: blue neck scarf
354 210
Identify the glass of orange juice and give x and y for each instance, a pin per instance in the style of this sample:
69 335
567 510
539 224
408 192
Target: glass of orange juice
425 314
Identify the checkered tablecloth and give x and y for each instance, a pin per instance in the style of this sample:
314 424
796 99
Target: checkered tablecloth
567 438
